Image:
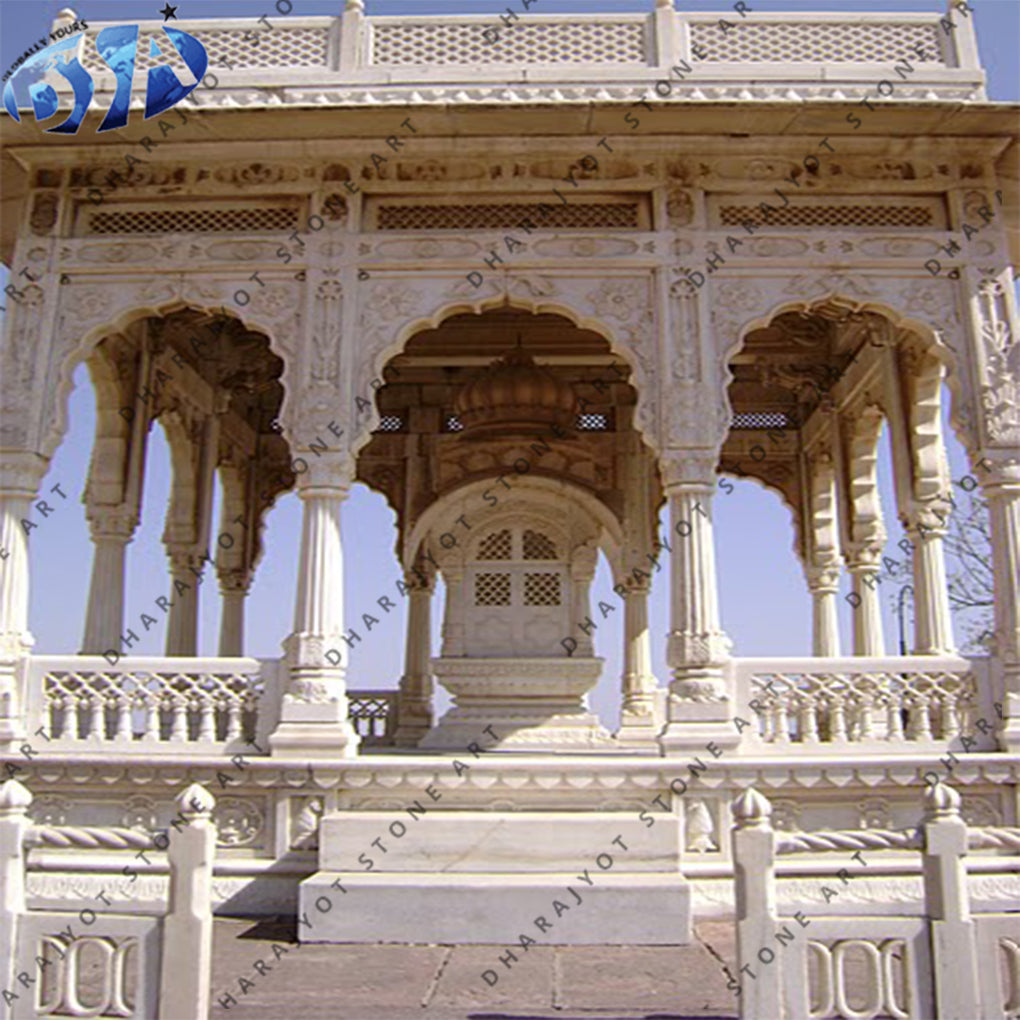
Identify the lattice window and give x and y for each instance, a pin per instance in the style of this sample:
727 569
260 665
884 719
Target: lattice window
191 219
761 420
451 423
492 589
859 215
538 546
555 42
371 715
476 216
497 546
593 422
391 423
542 589
818 42
230 49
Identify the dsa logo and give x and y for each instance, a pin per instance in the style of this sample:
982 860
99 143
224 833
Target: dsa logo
117 45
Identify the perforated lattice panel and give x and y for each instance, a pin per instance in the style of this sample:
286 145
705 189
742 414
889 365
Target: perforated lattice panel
538 546
497 546
228 50
390 423
829 216
541 589
576 215
817 42
593 422
188 219
761 420
492 589
581 42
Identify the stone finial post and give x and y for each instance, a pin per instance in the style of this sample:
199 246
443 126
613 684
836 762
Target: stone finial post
351 24
947 905
754 852
14 803
188 927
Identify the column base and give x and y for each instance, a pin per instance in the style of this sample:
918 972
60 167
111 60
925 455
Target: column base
639 731
309 729
699 713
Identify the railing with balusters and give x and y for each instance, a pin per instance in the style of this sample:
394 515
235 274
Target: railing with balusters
164 705
908 703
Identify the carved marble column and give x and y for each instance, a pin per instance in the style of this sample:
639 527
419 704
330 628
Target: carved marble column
823 583
20 475
637 723
933 628
1001 487
314 713
700 708
414 699
234 586
112 531
864 564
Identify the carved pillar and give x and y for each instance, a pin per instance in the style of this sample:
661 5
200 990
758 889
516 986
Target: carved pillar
820 539
700 708
414 700
314 714
933 628
1001 487
637 724
234 586
104 613
582 573
20 475
864 563
823 584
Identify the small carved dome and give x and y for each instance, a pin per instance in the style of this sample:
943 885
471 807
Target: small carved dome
514 395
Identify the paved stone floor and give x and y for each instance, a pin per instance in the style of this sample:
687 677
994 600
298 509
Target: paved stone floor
373 982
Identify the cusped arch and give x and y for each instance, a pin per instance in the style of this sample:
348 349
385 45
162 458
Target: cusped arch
612 537
957 377
54 410
447 308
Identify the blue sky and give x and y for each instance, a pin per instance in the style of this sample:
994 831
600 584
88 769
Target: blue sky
765 606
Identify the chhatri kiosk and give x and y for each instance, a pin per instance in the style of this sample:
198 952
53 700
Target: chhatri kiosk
605 261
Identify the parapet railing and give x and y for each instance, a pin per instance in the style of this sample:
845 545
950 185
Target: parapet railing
899 704
151 705
939 960
770 56
104 958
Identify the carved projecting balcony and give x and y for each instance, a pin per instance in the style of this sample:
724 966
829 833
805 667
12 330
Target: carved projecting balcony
359 60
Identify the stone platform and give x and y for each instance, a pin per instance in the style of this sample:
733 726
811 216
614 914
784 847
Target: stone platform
475 877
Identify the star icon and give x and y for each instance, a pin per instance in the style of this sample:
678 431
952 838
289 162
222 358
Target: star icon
168 12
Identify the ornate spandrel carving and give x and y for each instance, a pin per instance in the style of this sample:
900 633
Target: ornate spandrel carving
324 369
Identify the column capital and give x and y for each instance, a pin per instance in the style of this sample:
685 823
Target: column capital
998 469
822 577
864 557
692 471
234 580
113 522
330 474
21 472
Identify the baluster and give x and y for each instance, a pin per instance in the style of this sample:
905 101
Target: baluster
178 718
150 720
837 720
87 717
950 718
923 728
233 719
809 721
206 717
781 722
865 723
122 717
768 727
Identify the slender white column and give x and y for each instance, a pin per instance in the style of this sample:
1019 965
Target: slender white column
700 708
823 583
234 585
1002 490
104 614
414 700
639 682
933 629
863 564
314 711
182 621
20 475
